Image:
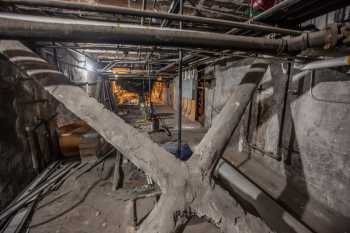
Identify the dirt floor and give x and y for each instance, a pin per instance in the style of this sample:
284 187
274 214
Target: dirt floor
89 205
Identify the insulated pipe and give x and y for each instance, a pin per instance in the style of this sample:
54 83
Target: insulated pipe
273 214
17 26
59 29
336 62
161 15
307 69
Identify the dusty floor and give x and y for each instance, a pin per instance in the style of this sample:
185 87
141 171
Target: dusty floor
88 204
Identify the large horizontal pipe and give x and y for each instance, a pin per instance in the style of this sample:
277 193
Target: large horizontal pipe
161 15
15 26
273 214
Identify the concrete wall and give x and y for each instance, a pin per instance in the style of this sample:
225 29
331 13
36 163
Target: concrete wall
22 104
308 168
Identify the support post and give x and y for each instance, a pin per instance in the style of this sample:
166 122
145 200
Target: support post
179 103
117 171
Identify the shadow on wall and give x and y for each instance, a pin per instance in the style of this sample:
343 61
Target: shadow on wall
303 146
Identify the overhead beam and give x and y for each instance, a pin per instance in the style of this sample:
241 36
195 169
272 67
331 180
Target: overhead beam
152 14
15 26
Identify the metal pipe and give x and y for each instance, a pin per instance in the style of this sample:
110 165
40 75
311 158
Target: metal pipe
108 48
60 29
274 215
161 15
336 62
284 111
149 88
300 75
278 7
174 7
142 79
34 147
12 209
173 65
179 103
143 7
211 11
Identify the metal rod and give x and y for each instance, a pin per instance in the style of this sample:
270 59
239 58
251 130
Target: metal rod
100 160
149 87
11 210
280 6
179 103
300 75
284 111
94 48
142 79
39 28
161 15
133 75
19 219
173 65
172 9
143 7
226 15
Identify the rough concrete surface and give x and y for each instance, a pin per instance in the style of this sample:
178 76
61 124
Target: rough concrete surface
312 159
89 205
